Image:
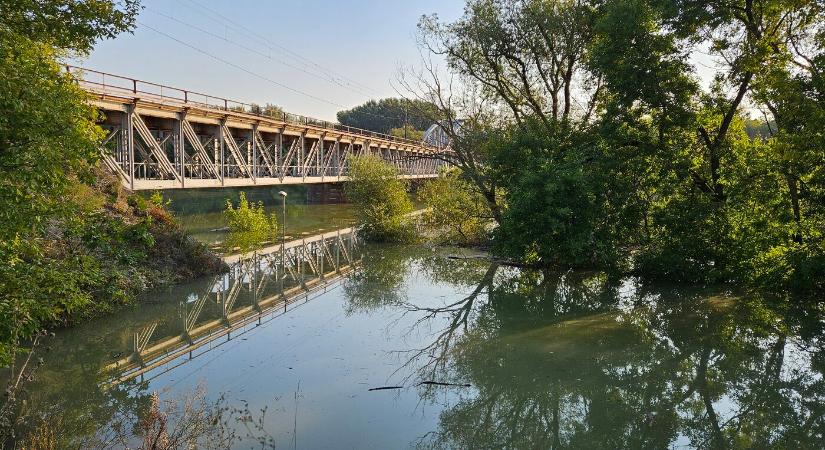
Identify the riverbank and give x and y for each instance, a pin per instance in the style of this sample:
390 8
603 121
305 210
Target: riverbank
112 246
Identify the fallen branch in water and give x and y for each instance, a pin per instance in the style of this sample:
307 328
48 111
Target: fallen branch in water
468 257
438 383
495 260
386 387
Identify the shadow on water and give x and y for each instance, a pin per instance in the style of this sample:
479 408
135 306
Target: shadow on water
553 359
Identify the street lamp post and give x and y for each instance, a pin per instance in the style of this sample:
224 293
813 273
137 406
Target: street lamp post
283 220
283 242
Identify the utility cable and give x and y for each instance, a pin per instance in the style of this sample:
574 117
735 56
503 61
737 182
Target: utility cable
264 55
243 69
270 44
257 75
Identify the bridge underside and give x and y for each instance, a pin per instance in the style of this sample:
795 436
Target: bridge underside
153 144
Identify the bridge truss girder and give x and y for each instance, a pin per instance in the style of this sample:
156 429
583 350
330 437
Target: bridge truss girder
180 151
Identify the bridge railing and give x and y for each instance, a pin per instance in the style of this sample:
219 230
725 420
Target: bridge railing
119 85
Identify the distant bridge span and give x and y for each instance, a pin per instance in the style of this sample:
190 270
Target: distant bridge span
159 137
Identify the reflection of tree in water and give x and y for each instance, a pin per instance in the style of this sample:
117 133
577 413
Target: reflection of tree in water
553 365
76 400
502 301
378 279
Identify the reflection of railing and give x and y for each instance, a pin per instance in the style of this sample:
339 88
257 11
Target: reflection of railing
256 289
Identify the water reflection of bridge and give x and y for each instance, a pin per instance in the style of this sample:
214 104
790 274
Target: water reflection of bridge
256 289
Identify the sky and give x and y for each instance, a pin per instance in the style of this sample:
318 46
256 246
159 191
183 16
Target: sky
311 57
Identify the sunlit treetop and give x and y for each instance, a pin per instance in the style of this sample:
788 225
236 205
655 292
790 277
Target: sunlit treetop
72 25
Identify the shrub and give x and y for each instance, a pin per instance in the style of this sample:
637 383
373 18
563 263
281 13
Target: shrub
380 199
249 225
456 208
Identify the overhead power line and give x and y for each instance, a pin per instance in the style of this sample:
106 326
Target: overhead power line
230 63
257 75
259 53
270 44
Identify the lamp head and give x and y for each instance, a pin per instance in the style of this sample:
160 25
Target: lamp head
282 194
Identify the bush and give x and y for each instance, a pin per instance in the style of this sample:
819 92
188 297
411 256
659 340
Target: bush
380 199
456 208
564 202
249 225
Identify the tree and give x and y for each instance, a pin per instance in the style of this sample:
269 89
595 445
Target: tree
68 25
584 127
407 133
716 200
249 225
48 144
514 62
524 55
386 114
457 212
380 199
571 199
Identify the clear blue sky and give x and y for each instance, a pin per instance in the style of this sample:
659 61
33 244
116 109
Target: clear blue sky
363 41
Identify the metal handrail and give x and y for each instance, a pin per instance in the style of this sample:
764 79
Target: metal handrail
188 97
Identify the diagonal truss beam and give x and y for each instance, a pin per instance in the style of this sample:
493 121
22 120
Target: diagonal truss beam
240 161
200 150
155 150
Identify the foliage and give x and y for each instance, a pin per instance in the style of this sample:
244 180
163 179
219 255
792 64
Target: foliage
249 225
594 144
523 56
68 24
380 199
564 203
46 132
47 146
72 244
268 109
407 133
382 116
457 211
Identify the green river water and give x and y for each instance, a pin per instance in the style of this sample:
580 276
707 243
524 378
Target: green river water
523 359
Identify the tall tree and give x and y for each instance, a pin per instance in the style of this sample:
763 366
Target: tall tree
383 115
48 140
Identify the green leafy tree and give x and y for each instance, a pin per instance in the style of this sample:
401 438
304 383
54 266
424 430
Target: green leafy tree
382 116
565 204
718 201
407 133
584 126
249 225
457 211
380 199
48 144
68 25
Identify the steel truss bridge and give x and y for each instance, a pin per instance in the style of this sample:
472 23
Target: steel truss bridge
159 137
255 290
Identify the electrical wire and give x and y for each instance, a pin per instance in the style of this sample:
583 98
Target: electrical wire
270 44
243 69
259 53
262 77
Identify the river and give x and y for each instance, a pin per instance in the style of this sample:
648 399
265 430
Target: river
350 345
